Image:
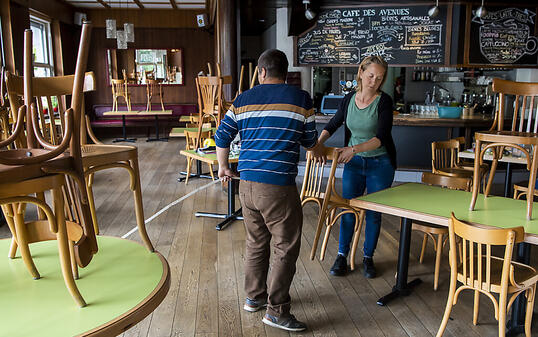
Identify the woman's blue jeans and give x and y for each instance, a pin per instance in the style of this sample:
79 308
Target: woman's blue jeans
364 173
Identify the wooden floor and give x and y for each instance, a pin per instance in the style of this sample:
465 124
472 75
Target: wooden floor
206 293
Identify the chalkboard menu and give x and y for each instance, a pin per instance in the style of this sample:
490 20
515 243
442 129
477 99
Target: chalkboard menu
504 36
400 34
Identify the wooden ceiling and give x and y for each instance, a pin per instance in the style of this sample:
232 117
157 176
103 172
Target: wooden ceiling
138 4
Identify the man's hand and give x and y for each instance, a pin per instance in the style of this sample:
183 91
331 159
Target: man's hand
318 151
346 154
226 173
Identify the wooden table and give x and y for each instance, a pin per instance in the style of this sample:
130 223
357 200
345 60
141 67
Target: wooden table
123 284
432 204
180 132
155 113
232 214
508 159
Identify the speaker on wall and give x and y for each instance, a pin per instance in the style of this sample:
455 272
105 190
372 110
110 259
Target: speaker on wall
201 19
80 18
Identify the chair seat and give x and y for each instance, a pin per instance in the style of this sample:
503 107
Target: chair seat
516 136
95 154
429 227
523 274
455 172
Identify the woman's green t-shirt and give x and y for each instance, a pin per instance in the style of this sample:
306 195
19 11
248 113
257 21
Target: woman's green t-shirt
363 125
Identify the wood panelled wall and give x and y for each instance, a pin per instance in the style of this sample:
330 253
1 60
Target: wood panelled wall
197 45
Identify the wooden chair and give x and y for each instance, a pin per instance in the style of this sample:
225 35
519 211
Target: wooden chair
153 86
483 273
209 89
520 190
522 132
95 157
32 170
445 159
191 138
435 232
318 187
120 89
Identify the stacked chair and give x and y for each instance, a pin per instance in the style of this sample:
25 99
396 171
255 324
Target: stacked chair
36 166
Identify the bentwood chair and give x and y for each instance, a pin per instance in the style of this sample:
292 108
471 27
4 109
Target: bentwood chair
445 159
521 134
191 144
209 89
435 232
120 89
484 273
318 187
153 87
33 170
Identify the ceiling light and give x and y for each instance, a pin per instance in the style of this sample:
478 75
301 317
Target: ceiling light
308 13
434 10
481 11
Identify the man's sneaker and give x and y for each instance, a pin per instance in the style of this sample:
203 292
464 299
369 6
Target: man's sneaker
369 269
253 305
289 323
339 267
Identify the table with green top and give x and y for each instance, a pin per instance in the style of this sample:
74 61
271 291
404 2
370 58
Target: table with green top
434 205
232 214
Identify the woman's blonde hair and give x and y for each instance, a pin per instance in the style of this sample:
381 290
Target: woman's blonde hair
366 63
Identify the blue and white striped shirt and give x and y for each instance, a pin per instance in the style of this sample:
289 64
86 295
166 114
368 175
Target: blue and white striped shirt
273 120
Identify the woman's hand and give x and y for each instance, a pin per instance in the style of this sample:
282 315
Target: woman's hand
346 154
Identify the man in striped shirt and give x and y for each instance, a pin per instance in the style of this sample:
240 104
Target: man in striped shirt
273 119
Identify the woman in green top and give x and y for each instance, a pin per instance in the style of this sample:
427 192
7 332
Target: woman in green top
369 157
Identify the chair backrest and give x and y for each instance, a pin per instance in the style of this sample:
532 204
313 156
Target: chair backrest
254 77
524 106
319 182
209 89
119 87
153 86
50 93
444 154
191 137
476 269
454 183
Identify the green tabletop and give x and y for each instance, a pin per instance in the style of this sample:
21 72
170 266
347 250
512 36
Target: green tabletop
434 204
179 132
212 156
122 278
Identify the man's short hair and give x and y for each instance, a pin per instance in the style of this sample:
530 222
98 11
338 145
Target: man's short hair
275 63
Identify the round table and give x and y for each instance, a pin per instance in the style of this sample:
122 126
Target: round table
123 284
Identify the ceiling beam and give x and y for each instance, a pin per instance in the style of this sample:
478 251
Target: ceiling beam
104 4
139 4
173 3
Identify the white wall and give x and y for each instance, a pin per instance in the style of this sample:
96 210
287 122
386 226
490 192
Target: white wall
285 43
527 75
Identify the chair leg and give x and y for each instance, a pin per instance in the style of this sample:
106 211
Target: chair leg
476 306
8 214
356 236
532 179
438 253
189 163
211 171
494 164
63 247
476 174
449 304
22 242
502 313
325 242
74 267
531 293
91 202
139 208
321 218
423 250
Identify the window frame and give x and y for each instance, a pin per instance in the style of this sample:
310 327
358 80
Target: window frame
37 21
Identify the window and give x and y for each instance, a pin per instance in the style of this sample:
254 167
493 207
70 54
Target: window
42 47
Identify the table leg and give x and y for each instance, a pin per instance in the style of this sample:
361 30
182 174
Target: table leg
516 324
231 215
157 138
124 133
508 181
402 287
